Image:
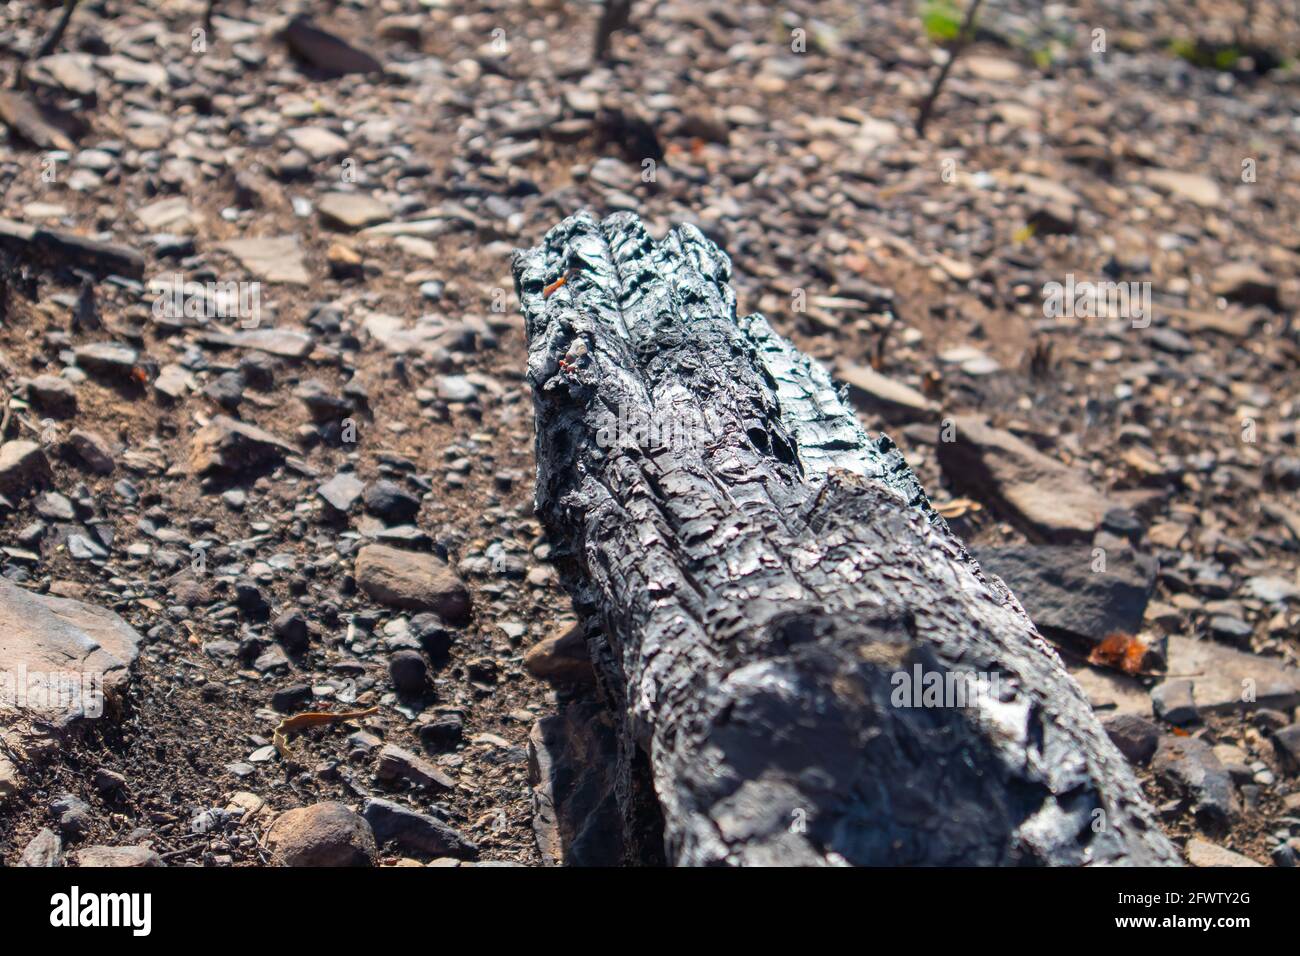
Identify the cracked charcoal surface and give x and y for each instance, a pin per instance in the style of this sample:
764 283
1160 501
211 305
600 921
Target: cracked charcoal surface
754 569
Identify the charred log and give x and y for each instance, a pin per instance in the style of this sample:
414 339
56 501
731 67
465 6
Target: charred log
768 594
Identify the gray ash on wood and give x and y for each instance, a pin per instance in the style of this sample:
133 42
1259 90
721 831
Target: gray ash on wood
755 572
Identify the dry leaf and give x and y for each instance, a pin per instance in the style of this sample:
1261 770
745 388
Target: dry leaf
958 508
1121 652
280 736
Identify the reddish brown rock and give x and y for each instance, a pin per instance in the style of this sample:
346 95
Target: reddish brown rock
325 834
412 581
561 658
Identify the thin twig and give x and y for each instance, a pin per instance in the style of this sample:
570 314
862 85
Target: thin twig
963 40
53 39
614 15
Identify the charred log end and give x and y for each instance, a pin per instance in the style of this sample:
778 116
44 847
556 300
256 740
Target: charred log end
857 745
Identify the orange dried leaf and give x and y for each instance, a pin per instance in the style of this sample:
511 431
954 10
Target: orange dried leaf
958 508
280 736
1121 652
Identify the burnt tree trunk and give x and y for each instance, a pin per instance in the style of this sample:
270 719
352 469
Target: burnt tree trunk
760 579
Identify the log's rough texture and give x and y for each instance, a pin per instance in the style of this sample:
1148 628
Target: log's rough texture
755 570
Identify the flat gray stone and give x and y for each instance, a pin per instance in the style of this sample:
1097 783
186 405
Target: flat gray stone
107 358
412 831
1271 589
317 142
53 394
890 399
1226 680
131 72
1204 853
397 763
275 259
283 342
1136 737
1110 692
78 644
1189 766
229 446
45 850
1046 498
1194 187
352 210
92 450
72 72
1071 591
456 389
342 491
172 215
23 468
1172 701
116 856
970 360
174 382
393 335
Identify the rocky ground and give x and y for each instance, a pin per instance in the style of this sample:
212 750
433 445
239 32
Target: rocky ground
317 498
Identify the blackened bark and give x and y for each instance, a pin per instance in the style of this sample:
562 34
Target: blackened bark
759 576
